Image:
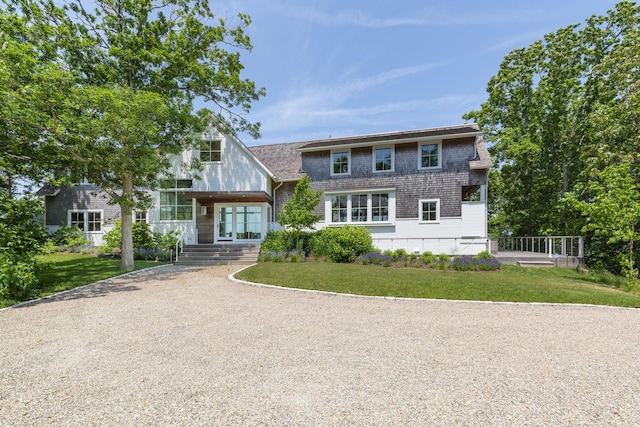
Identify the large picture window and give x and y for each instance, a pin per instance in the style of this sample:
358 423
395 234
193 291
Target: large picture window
175 206
360 208
430 155
210 151
340 162
383 159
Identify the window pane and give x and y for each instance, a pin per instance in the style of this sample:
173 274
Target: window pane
380 207
339 209
77 219
429 211
429 155
94 221
341 162
210 151
358 207
383 159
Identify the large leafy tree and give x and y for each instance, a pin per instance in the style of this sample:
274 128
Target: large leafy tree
560 112
613 210
538 120
128 75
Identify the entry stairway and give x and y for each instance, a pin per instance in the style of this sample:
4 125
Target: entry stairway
218 254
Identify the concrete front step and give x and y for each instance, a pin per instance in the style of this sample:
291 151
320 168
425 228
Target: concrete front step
528 263
218 254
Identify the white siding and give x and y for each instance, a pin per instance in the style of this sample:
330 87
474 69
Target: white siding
236 171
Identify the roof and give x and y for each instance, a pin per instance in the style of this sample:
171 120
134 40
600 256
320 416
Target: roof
283 160
447 132
48 190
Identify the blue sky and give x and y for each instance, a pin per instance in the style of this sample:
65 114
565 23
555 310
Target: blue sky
341 68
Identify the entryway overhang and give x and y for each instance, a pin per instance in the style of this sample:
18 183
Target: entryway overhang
230 196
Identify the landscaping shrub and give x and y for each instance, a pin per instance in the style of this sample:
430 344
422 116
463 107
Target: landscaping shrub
343 244
69 237
469 263
18 276
484 255
147 244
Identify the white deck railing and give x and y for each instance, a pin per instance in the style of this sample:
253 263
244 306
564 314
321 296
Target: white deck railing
550 245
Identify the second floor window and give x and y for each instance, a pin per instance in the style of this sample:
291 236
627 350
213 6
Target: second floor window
429 155
340 162
210 151
383 159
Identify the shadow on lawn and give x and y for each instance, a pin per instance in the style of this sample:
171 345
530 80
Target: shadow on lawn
126 283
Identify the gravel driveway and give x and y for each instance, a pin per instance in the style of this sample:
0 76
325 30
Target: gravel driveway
176 346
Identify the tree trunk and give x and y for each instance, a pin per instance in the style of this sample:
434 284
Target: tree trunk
126 256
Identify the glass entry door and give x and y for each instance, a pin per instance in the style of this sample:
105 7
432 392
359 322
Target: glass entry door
225 223
239 222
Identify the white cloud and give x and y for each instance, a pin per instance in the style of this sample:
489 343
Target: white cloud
435 16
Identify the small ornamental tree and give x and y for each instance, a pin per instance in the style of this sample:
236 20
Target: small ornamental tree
297 213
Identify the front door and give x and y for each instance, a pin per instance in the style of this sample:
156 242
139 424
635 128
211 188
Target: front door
237 223
225 223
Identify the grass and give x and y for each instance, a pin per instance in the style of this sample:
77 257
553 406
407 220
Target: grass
68 271
516 284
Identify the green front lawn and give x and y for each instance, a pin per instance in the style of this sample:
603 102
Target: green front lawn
68 271
558 285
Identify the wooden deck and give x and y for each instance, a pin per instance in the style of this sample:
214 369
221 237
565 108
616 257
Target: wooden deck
535 259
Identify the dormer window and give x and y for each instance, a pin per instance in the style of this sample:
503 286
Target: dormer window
340 162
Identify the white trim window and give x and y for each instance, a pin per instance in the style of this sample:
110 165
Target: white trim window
210 151
383 159
175 206
429 210
430 155
140 216
87 221
373 207
341 162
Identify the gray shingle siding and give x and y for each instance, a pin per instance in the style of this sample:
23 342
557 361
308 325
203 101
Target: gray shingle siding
411 183
79 198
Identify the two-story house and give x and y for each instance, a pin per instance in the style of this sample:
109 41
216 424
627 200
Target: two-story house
418 190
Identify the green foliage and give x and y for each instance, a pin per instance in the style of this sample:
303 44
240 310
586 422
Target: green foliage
143 237
18 276
69 236
297 213
278 241
20 240
484 255
342 244
559 112
19 233
108 94
613 210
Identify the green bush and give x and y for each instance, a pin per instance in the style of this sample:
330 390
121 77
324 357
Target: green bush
278 241
18 276
143 237
343 244
399 254
484 255
69 237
